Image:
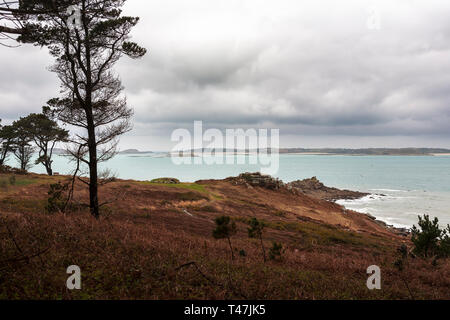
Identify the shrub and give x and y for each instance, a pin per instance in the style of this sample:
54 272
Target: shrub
402 259
166 181
445 243
276 251
5 169
430 240
256 231
55 201
4 185
225 228
190 196
401 264
12 180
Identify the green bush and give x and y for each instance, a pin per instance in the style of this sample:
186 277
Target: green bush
55 201
445 243
429 240
166 181
256 231
225 228
276 251
402 259
3 184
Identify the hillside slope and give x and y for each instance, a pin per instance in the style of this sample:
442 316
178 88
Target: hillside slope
154 241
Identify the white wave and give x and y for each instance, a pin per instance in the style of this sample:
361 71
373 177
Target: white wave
367 199
388 190
415 214
364 210
393 222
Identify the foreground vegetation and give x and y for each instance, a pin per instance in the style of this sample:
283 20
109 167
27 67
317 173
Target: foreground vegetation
155 241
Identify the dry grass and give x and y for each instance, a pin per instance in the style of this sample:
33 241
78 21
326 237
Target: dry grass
135 250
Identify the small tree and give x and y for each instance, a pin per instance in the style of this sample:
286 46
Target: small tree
55 201
401 264
276 251
6 142
45 133
21 144
444 245
256 231
225 228
426 239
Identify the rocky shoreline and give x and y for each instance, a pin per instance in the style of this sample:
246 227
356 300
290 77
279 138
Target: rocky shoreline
316 189
313 188
400 231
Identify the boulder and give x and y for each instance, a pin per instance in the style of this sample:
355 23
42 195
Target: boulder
166 181
257 180
314 188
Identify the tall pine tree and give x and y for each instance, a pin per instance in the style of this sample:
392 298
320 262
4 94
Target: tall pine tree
87 37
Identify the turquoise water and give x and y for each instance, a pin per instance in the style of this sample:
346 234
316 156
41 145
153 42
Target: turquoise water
410 185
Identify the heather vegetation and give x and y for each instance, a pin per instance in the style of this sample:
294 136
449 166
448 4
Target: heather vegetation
155 242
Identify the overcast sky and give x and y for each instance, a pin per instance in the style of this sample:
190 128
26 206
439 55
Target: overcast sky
326 73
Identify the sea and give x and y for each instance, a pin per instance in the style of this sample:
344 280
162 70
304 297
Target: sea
400 187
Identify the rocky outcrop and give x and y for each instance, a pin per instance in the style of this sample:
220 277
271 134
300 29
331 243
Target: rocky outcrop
314 188
257 180
166 181
311 187
404 232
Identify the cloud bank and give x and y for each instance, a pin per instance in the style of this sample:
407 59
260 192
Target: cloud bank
313 69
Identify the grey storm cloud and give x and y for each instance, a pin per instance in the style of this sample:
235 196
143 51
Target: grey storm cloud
305 67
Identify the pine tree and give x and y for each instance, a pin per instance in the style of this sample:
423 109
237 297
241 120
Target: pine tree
225 229
45 133
426 239
256 231
86 48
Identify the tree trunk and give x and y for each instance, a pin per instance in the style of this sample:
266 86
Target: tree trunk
263 249
93 170
3 156
22 159
93 190
93 161
47 161
231 248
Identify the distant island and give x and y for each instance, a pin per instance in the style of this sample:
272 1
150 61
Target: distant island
370 151
311 151
133 151
61 151
339 151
